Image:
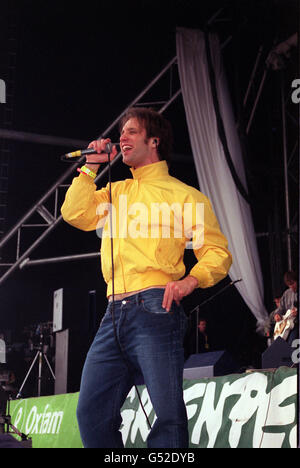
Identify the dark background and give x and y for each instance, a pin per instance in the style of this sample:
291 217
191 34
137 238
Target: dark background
77 66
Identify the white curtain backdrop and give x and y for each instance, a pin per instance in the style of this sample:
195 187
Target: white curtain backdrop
214 176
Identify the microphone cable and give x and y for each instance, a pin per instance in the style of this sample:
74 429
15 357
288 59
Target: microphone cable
78 158
122 352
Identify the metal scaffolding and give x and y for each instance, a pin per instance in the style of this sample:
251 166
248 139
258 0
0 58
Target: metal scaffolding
8 68
282 233
50 220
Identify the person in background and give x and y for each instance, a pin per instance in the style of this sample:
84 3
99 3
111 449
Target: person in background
199 341
288 305
273 318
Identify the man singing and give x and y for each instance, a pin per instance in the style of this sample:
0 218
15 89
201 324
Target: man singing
143 328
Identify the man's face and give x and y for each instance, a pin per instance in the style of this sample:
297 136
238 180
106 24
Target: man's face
202 327
277 301
136 148
293 285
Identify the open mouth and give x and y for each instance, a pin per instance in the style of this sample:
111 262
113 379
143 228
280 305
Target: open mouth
126 148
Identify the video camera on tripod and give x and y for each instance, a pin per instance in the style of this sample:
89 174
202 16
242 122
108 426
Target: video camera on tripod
41 341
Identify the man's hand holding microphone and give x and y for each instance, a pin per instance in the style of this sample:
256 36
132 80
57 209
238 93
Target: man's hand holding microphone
102 147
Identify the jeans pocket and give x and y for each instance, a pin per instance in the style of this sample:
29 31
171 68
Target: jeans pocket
153 306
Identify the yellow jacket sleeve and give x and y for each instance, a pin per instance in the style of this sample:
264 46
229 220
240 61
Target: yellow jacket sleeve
80 208
214 258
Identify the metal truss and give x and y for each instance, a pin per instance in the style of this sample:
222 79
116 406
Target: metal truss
169 74
49 220
282 233
290 149
8 58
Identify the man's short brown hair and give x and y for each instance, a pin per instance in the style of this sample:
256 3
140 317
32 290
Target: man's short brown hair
155 125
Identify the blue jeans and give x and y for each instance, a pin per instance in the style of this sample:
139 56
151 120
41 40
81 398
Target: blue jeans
151 340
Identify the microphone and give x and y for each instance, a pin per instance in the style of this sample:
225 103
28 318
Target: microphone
78 153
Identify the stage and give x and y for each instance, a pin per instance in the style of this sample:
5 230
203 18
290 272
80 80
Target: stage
257 409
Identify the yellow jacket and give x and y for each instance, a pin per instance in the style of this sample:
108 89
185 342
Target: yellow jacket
154 216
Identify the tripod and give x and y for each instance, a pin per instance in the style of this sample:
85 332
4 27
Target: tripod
39 356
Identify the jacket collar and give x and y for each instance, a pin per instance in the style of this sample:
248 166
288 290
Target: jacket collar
151 171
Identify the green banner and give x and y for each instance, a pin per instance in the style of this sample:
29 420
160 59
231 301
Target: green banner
49 421
254 410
